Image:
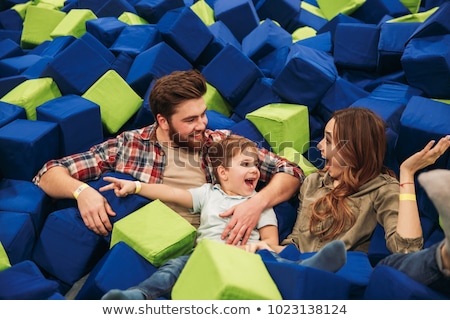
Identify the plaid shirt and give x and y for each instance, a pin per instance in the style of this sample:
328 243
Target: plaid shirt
138 153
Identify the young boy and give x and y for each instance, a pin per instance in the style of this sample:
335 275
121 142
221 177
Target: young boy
235 163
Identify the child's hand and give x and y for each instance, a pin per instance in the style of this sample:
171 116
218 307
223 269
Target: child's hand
121 187
253 247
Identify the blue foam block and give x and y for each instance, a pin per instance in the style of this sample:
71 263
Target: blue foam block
260 94
78 67
135 39
106 29
427 65
247 129
16 65
265 38
25 197
221 37
120 268
240 16
10 112
391 45
17 235
423 120
184 31
234 82
25 145
159 60
78 119
282 11
153 10
24 281
387 283
66 248
356 46
340 95
306 77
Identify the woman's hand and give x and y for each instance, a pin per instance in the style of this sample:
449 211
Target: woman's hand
425 157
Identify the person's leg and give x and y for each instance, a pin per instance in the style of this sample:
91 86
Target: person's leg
436 184
159 284
422 266
330 258
430 266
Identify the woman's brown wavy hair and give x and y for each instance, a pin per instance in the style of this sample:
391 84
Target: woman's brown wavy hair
361 142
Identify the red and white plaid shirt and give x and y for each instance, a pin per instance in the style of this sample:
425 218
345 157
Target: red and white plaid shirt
138 153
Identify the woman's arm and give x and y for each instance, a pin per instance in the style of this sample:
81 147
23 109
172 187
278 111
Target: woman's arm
408 225
123 188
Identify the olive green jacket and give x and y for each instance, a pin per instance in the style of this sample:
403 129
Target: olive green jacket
376 201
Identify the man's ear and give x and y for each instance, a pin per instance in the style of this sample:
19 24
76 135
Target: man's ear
162 122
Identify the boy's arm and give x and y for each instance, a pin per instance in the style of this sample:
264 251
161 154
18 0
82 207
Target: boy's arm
123 187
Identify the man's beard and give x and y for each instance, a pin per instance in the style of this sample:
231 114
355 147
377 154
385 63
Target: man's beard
185 141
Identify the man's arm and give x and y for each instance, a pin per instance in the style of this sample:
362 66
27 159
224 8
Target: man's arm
245 215
94 209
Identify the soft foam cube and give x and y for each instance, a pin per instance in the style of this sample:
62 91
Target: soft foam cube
25 197
294 156
66 249
78 120
184 31
25 146
117 100
427 65
231 84
78 66
74 23
306 76
10 112
332 8
38 24
120 268
156 232
24 281
240 16
17 235
32 93
216 271
155 62
283 125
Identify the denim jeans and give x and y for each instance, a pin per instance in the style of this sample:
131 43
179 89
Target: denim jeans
160 283
424 266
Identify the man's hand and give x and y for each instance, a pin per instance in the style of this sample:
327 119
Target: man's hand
244 218
95 211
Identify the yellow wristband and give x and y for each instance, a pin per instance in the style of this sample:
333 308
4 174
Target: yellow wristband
138 187
77 192
407 196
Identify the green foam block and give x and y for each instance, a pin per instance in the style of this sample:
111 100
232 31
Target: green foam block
117 100
216 271
30 94
156 232
283 125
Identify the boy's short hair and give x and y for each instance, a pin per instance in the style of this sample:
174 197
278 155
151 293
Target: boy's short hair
222 152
